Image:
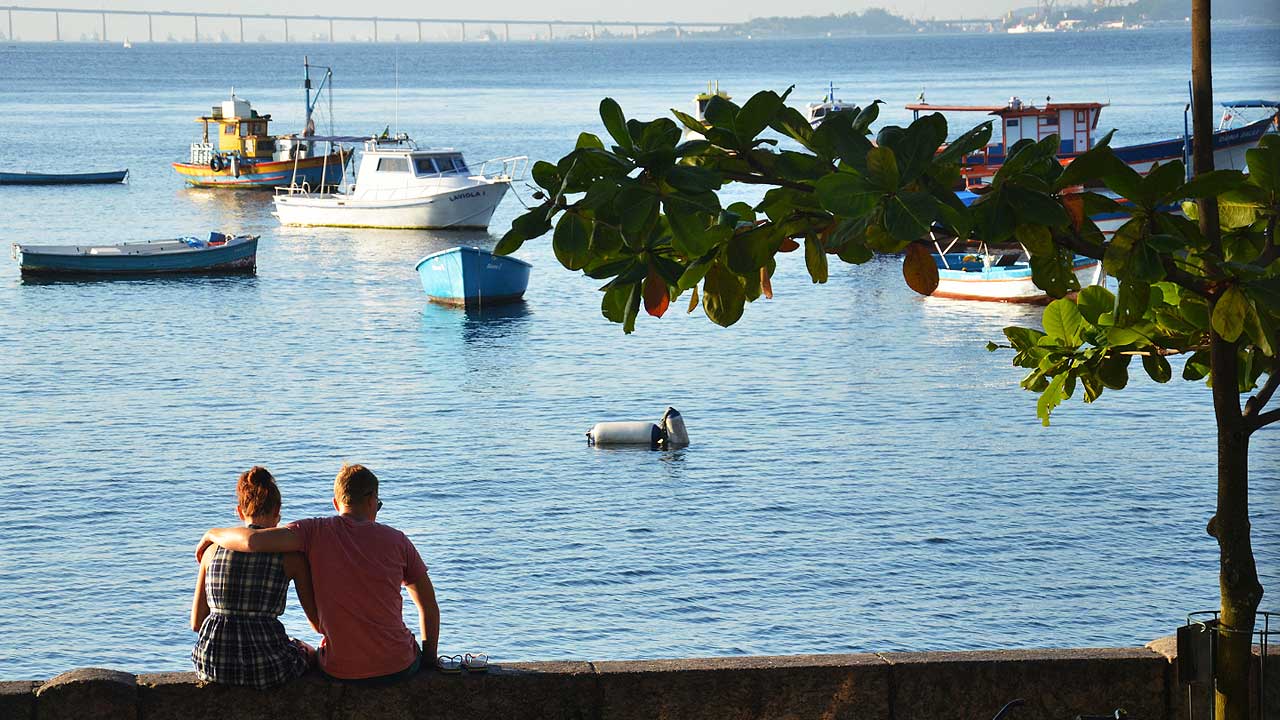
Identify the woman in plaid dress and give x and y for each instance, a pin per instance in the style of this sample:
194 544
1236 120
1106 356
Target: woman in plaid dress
240 596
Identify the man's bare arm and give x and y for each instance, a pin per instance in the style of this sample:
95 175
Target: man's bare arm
423 594
243 539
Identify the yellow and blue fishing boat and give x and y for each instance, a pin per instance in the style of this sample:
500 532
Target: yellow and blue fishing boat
248 156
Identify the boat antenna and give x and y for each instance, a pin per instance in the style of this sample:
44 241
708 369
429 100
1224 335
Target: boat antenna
397 74
306 85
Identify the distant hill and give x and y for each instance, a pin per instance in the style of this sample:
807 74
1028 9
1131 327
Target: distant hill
878 21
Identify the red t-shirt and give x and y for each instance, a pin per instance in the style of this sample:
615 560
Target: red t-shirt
357 568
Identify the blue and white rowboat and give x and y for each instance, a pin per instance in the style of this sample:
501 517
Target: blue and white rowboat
471 276
219 254
1000 277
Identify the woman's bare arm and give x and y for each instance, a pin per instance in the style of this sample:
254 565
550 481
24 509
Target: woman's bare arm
200 603
296 567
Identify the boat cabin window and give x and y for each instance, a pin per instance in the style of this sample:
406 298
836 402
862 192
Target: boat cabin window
228 129
1011 122
424 166
819 112
702 106
393 164
451 163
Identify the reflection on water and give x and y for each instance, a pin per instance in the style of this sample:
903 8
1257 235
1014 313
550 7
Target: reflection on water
209 279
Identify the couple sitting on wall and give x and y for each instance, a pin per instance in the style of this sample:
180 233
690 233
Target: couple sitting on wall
347 571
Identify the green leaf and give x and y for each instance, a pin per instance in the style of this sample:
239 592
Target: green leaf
1051 398
847 194
1093 301
1197 366
1163 181
1211 184
815 259
616 123
1264 167
908 215
1033 207
1063 322
1037 239
510 242
723 296
751 250
756 115
882 168
1229 313
972 140
1096 163
588 140
1023 338
547 176
693 179
614 303
1157 367
633 309
915 152
572 241
1114 371
635 206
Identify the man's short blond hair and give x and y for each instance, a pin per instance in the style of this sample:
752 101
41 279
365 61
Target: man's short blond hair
353 484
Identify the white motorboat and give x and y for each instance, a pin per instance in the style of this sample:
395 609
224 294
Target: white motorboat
700 102
399 185
817 112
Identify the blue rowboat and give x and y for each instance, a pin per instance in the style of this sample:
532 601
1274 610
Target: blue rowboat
471 276
30 178
219 254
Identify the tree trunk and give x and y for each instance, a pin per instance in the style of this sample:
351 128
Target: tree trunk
1237 573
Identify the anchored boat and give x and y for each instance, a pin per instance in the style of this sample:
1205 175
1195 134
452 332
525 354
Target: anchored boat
399 185
248 156
700 102
219 254
471 276
816 113
1076 124
94 178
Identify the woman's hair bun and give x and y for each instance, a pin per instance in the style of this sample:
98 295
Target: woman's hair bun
257 493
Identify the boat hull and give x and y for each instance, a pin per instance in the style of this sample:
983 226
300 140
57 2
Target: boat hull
1229 148
29 178
471 276
1002 284
238 255
266 175
459 208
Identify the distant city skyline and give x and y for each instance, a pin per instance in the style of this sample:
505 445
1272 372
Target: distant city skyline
652 10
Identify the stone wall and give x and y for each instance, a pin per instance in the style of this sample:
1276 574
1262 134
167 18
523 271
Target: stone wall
1056 684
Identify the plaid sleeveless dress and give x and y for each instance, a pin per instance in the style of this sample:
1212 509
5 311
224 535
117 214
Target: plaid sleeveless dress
242 642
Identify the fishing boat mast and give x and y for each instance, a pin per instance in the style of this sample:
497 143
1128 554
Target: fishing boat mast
309 127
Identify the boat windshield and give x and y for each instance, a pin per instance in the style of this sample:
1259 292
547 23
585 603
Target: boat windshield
442 164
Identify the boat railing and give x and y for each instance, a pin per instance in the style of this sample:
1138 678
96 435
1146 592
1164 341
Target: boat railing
506 169
201 153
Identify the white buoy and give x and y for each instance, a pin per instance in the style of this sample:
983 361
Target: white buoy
669 432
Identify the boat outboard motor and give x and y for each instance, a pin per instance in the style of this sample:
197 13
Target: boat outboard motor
667 433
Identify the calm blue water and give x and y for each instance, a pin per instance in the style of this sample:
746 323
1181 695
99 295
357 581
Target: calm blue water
864 475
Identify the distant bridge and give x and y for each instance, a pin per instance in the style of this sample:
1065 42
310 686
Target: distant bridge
591 26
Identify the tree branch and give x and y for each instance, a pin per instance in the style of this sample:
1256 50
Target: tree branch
1259 401
764 180
1266 419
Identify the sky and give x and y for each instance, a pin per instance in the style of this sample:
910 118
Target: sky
649 10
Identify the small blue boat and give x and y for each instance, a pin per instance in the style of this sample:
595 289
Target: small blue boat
92 178
219 254
471 276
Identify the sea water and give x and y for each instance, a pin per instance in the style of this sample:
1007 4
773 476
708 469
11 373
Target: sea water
863 474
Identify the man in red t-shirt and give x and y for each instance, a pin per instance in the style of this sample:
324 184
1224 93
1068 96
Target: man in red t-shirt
357 568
